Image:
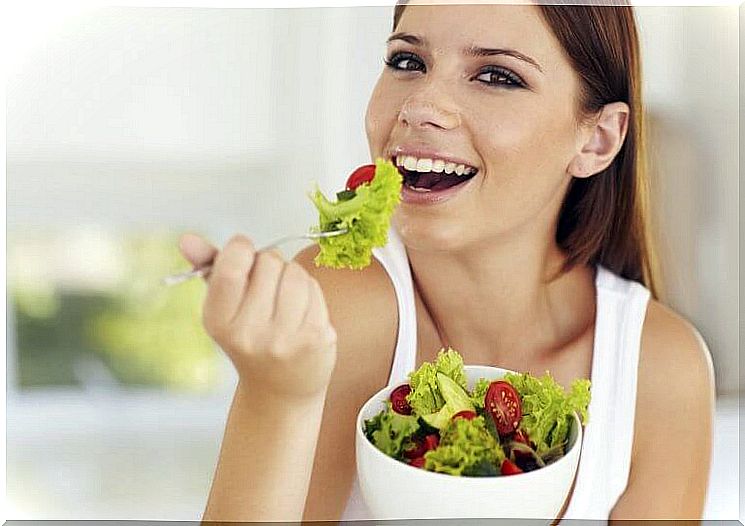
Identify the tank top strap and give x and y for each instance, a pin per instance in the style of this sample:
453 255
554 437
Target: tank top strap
396 263
605 458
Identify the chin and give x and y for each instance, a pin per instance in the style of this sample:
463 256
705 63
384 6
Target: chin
427 235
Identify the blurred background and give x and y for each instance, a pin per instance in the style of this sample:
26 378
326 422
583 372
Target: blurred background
129 126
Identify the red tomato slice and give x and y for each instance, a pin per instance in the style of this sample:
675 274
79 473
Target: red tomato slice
468 415
417 462
509 468
419 449
431 442
363 174
503 403
398 399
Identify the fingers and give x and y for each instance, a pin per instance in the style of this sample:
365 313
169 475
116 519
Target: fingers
292 297
317 314
196 250
257 306
228 280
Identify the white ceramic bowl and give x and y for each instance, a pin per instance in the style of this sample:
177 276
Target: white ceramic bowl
394 490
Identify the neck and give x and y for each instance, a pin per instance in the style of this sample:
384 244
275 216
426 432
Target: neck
500 296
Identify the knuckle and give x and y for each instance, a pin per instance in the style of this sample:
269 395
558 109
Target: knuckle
277 348
298 269
316 287
330 335
294 274
230 272
240 242
316 337
268 260
238 249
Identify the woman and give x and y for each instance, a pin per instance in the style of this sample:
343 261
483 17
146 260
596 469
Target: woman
540 261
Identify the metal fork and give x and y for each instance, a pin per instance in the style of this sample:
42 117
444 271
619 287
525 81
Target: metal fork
204 271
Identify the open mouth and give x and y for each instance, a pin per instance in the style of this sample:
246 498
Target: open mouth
427 175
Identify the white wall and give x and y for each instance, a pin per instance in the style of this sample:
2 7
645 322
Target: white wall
215 119
691 72
219 119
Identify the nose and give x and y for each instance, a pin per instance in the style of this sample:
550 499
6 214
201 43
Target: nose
419 112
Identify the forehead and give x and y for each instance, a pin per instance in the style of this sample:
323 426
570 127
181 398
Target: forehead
451 27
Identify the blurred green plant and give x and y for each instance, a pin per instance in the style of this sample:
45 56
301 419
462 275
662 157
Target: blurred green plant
146 333
155 336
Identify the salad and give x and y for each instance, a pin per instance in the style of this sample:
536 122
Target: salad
364 207
517 424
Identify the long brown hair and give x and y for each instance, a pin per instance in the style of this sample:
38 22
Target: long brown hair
605 218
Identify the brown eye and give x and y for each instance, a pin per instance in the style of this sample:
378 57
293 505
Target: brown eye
405 62
496 76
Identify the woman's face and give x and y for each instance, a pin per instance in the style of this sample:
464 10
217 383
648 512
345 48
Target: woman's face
449 95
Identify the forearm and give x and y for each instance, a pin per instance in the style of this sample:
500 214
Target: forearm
266 458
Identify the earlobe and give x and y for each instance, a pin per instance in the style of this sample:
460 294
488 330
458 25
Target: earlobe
607 136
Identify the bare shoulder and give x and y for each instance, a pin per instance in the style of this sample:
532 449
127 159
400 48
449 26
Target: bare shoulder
674 363
674 420
362 308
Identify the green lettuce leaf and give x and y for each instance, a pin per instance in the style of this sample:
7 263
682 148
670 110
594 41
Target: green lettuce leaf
479 392
425 396
547 408
366 215
466 448
450 363
390 431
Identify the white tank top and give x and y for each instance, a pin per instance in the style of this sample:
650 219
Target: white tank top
605 457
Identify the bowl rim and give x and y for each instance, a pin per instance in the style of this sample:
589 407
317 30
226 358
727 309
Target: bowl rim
361 438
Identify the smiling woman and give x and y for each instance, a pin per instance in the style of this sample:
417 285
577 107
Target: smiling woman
521 241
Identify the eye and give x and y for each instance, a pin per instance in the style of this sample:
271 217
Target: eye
405 61
498 76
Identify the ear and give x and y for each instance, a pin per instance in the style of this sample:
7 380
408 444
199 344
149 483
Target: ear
602 140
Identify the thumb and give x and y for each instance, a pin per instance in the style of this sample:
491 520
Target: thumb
196 250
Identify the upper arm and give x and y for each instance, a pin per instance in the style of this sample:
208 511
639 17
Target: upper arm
671 452
362 309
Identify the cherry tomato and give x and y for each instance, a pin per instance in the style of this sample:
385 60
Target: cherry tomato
522 436
398 399
431 442
510 468
468 415
503 403
363 174
419 449
417 462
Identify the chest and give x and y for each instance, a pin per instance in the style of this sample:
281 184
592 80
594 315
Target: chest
566 360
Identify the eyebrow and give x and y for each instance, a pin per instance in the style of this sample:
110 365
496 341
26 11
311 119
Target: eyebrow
473 51
406 37
488 52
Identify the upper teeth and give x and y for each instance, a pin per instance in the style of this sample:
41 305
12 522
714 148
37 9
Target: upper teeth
433 165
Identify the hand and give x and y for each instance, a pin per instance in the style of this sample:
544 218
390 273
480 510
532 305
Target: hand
268 315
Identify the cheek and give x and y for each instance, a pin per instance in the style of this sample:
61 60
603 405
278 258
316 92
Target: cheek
379 117
526 142
526 159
